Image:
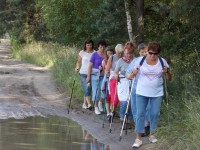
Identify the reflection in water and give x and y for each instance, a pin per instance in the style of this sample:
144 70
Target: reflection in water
52 133
94 145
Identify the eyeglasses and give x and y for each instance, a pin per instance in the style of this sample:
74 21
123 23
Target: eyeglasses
151 53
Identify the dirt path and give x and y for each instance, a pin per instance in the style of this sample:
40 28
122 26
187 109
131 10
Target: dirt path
27 90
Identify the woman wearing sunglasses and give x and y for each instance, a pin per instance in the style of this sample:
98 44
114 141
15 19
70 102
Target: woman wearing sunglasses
149 89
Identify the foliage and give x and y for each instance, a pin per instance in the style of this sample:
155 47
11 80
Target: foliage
21 20
72 22
65 20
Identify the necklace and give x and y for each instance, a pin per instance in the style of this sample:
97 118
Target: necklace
127 60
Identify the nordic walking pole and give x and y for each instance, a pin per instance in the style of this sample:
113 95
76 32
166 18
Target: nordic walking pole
71 93
165 89
111 121
76 69
166 96
126 113
104 108
98 82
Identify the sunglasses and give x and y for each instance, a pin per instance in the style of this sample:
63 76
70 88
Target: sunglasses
151 53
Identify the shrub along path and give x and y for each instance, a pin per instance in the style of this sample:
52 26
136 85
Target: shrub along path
27 90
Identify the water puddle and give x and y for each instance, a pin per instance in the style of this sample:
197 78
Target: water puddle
53 133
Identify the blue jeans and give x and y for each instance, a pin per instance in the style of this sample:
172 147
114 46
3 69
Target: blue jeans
133 104
141 104
148 112
134 108
123 106
85 87
96 87
104 87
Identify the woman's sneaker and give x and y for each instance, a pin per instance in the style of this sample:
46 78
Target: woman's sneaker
152 139
137 143
97 112
84 106
100 106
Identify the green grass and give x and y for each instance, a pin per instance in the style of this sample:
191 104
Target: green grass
40 54
179 122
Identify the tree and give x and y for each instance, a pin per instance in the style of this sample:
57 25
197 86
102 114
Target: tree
69 21
72 21
18 19
129 20
139 31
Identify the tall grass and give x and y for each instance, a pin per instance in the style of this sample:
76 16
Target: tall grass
63 70
180 121
38 53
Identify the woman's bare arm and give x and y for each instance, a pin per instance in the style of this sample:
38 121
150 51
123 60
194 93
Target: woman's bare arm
89 72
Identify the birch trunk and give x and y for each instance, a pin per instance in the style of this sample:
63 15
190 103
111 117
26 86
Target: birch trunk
129 21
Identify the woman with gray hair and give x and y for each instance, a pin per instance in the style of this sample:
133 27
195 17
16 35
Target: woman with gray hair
113 101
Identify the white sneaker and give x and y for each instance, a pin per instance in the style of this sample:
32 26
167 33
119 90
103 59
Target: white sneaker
137 143
100 106
84 106
97 112
111 113
152 139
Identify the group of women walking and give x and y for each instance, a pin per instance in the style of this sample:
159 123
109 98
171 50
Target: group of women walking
112 76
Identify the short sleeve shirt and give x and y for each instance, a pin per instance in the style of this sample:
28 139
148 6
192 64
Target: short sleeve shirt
96 60
121 66
150 78
85 61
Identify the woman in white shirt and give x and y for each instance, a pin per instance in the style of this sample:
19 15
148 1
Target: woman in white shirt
82 64
149 90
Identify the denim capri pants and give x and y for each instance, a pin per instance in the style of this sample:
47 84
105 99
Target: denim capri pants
142 103
86 88
96 87
123 106
104 87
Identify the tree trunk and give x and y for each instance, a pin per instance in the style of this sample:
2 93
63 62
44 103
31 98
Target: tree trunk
139 21
129 21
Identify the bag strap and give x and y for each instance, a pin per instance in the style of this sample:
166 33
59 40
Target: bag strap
142 61
160 59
